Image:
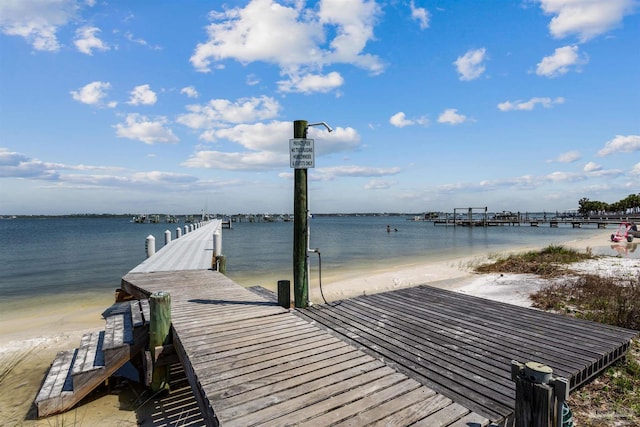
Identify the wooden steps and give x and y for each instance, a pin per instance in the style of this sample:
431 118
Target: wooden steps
75 373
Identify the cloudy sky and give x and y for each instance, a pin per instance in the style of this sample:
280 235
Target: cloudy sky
176 106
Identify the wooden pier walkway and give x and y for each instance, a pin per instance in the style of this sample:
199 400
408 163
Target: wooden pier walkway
251 362
192 251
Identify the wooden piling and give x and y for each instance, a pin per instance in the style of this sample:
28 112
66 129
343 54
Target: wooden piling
539 395
300 227
159 336
284 293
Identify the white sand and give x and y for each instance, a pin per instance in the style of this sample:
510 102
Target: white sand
456 274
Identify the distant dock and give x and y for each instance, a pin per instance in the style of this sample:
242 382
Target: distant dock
480 217
420 356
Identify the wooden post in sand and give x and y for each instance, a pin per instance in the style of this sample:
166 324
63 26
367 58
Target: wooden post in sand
159 336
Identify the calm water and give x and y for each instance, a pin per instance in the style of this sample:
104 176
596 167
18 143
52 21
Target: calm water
64 255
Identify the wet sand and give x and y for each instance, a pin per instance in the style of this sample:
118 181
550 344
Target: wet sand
31 337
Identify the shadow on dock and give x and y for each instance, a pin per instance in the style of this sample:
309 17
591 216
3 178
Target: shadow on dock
230 302
177 408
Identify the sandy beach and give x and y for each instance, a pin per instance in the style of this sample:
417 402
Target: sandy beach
456 274
29 339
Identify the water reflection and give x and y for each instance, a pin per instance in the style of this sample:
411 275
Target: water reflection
624 249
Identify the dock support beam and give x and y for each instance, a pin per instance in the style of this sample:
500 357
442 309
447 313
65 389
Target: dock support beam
300 227
159 336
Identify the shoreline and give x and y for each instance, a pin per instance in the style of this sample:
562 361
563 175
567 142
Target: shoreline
57 315
452 274
31 336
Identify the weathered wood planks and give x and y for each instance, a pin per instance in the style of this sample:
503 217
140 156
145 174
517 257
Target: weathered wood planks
75 373
251 362
462 346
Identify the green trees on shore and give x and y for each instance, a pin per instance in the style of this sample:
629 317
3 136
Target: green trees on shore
628 205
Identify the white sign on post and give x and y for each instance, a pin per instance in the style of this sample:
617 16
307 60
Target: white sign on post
301 152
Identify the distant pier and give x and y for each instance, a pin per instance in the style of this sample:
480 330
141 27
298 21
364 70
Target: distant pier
480 217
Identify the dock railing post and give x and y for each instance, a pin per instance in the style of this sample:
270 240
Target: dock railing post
159 336
150 245
540 397
218 262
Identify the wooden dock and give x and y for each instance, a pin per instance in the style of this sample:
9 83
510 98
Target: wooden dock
192 251
420 356
251 362
462 346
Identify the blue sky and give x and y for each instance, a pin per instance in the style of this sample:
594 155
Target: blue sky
178 106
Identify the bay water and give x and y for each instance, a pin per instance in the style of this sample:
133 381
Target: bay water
70 255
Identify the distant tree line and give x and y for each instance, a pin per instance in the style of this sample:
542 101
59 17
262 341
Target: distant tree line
628 205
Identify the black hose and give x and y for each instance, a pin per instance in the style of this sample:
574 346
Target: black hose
320 280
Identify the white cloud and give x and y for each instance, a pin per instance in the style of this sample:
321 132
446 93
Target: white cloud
37 21
190 91
93 93
250 160
141 128
259 136
470 66
562 60
352 23
592 167
564 177
420 14
399 120
142 95
261 146
585 18
296 39
568 157
17 165
636 169
253 80
311 83
270 137
378 184
221 112
451 116
86 40
160 177
621 144
129 36
353 171
530 104
262 31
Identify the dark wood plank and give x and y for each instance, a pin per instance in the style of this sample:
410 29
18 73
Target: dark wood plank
462 346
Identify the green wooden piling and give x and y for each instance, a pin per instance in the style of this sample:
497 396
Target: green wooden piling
300 221
159 335
222 264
